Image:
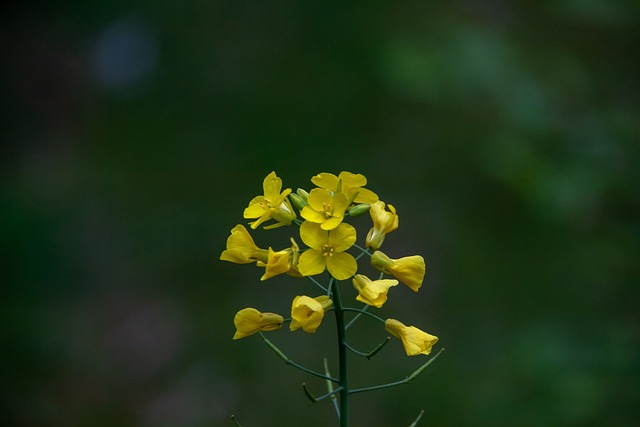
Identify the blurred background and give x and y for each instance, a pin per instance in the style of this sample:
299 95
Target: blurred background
506 134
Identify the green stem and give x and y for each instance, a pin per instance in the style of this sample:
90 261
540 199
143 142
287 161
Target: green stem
342 355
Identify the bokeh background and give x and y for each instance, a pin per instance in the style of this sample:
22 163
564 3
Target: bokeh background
134 134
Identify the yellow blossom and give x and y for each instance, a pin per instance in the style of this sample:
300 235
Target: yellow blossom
327 250
324 208
248 321
307 313
241 248
372 292
413 339
347 183
384 222
284 261
272 205
409 270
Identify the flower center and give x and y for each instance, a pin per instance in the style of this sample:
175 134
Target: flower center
266 204
327 209
327 250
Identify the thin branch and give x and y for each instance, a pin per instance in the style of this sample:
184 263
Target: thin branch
288 361
358 310
315 282
401 382
415 423
371 353
334 400
366 306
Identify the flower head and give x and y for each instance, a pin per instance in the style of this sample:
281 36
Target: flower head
327 250
410 270
325 208
372 292
384 222
413 339
248 321
347 183
307 313
272 205
284 261
241 248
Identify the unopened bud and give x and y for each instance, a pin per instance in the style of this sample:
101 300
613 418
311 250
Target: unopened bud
302 193
358 210
297 201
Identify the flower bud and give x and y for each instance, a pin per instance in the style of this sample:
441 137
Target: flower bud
241 249
359 209
307 313
413 339
302 193
381 262
248 321
297 201
372 292
283 214
409 270
384 222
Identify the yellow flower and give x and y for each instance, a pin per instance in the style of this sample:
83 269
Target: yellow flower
327 250
248 321
410 270
272 205
347 183
307 313
372 292
413 339
384 222
324 208
241 248
284 261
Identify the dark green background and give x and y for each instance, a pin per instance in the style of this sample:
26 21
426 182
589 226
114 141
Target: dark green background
134 134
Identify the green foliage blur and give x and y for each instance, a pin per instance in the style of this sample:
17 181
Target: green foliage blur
506 134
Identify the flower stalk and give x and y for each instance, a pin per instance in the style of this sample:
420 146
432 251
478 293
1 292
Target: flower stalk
342 355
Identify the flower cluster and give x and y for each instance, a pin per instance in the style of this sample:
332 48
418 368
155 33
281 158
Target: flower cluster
329 238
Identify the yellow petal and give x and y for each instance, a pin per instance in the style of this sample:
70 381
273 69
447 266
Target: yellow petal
413 339
241 248
331 223
311 262
312 235
417 342
342 237
372 292
271 186
326 180
339 204
366 196
248 321
319 199
278 263
352 179
341 265
255 208
306 313
312 215
409 270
